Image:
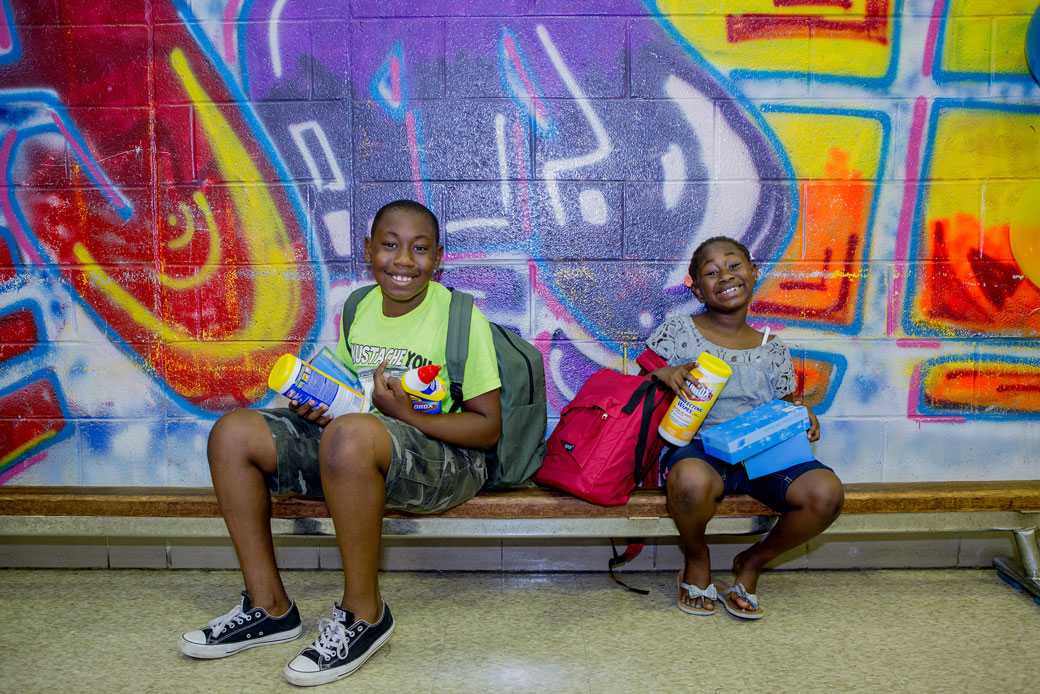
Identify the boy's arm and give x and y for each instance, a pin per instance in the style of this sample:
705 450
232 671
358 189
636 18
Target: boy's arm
814 424
478 425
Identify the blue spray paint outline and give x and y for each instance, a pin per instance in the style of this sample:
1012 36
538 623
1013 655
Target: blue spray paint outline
53 272
255 126
244 10
7 239
753 117
975 412
944 76
125 209
383 73
40 346
399 113
841 366
505 67
49 100
922 328
15 54
885 121
62 434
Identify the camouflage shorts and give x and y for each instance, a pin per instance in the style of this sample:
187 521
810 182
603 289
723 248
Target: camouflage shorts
425 475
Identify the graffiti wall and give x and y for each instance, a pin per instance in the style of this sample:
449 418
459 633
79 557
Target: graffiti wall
188 183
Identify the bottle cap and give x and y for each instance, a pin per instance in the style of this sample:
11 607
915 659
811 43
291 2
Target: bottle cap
427 373
713 364
282 372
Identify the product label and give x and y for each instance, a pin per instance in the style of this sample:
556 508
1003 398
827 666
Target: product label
426 406
311 385
685 415
701 394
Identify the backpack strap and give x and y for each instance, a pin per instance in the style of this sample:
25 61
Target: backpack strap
645 398
350 308
456 348
650 395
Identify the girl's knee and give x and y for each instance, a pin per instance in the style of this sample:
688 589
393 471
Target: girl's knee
825 496
692 484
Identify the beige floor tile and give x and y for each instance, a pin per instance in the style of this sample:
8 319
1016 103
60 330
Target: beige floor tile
884 631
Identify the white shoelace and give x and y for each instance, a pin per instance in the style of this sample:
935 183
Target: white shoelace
236 615
334 637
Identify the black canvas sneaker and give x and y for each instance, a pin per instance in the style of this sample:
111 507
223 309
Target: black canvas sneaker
342 647
241 628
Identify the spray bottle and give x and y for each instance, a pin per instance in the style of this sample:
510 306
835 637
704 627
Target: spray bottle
425 388
685 416
302 382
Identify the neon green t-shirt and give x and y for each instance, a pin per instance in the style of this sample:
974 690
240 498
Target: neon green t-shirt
416 339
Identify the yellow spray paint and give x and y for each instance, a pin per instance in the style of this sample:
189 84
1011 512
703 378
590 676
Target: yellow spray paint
265 239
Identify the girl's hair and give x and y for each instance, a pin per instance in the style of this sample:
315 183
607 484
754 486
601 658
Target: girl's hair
413 207
698 254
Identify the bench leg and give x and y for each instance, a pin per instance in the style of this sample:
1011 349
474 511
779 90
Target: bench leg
1023 573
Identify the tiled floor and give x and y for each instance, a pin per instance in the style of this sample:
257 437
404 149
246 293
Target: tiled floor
826 631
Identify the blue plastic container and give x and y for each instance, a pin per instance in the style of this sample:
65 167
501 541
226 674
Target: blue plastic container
768 438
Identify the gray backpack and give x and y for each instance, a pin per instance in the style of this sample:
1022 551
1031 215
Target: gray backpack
521 448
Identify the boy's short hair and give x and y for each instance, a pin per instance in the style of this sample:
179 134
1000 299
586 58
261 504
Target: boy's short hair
413 207
697 254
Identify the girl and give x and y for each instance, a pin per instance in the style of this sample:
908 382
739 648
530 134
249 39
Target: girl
809 496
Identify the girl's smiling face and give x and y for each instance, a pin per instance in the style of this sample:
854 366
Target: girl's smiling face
725 278
404 253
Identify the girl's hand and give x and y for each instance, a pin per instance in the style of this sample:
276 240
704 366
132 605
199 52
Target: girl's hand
814 424
316 414
389 397
676 377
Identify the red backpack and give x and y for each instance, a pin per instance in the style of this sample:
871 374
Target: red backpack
606 441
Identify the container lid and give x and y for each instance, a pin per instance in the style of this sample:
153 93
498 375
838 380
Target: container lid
427 373
282 372
713 364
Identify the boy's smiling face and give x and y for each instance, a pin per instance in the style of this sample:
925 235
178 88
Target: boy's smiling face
404 253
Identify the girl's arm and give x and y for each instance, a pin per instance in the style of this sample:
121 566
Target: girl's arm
675 377
814 423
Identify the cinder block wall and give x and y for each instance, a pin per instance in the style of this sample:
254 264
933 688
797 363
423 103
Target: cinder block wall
187 186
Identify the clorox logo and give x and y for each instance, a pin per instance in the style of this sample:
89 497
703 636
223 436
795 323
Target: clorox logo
425 406
702 393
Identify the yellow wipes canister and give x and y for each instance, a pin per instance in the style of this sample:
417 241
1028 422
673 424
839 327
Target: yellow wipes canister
302 382
684 416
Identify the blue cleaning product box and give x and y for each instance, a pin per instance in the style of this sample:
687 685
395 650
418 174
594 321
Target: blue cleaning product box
766 439
326 361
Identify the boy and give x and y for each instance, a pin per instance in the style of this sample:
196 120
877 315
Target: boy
360 463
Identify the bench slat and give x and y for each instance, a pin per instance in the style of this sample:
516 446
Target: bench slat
199 502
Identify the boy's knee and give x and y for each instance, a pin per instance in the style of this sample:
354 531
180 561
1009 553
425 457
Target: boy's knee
353 442
233 432
240 439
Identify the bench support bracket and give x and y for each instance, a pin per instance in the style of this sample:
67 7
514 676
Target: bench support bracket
1023 573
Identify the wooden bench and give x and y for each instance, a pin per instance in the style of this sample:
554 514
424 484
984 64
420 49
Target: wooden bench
952 507
870 508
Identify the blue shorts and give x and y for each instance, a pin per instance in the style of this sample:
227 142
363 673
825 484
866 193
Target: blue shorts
770 489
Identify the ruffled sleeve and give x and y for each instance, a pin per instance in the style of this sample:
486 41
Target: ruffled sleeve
664 340
784 380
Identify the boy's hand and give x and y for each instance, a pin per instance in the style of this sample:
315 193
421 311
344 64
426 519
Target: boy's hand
389 397
814 424
311 413
676 378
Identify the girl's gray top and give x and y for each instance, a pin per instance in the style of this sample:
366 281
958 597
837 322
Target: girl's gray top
759 375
